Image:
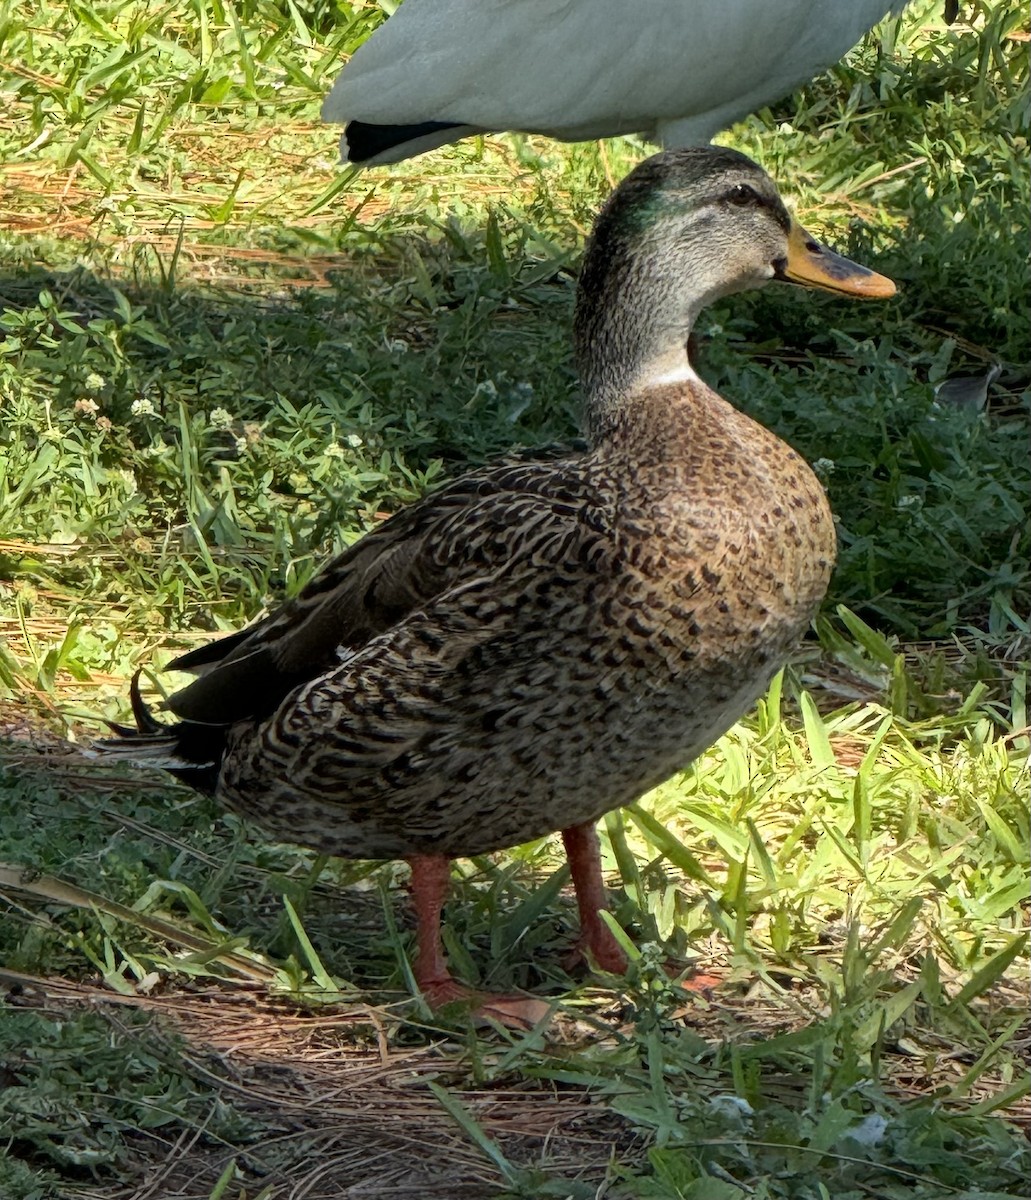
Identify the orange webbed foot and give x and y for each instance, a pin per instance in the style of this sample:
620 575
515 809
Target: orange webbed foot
511 1011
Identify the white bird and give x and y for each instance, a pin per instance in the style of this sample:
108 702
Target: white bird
676 71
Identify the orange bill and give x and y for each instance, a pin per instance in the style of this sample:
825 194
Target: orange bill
811 264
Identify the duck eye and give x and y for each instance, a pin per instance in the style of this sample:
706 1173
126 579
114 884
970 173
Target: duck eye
742 196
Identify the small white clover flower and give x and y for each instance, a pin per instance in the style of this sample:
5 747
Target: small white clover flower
335 450
870 1131
142 407
219 418
522 398
94 382
242 445
354 440
731 1106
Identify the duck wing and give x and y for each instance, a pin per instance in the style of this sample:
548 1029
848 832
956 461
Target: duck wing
456 536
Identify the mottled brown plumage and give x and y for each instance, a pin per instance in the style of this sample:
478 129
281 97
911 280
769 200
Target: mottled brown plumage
543 640
569 638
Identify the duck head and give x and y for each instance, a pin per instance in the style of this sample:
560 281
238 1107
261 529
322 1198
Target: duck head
683 229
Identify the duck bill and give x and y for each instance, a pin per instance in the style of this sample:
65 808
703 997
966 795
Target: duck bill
812 265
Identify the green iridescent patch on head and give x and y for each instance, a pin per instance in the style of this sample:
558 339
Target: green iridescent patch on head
645 210
677 182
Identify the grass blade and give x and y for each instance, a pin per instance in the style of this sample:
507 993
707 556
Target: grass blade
816 733
475 1133
665 842
319 973
992 971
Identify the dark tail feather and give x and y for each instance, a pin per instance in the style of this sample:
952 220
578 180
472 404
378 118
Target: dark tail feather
367 143
186 749
145 721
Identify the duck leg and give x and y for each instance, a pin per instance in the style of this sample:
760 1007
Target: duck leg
431 878
597 941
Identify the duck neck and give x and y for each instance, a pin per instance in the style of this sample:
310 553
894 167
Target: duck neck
643 283
631 329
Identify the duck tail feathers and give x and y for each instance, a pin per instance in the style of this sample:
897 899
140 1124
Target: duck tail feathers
368 145
190 751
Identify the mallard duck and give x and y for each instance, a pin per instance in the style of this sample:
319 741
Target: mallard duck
676 71
543 639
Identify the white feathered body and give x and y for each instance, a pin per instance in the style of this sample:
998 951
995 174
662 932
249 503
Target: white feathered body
676 71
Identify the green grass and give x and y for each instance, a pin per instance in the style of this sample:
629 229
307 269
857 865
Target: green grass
858 877
220 359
